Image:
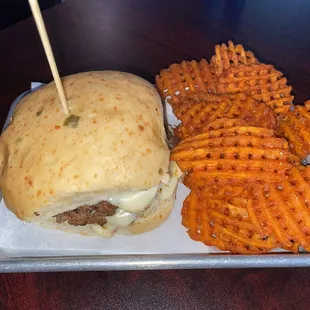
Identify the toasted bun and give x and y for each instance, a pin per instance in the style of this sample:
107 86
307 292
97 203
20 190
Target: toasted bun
119 144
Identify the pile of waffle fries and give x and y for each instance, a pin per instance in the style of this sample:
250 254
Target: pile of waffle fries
243 149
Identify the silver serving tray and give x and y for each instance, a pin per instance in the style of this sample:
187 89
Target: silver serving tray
146 262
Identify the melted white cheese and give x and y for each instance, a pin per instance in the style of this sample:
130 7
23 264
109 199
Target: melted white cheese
121 218
134 202
103 231
166 190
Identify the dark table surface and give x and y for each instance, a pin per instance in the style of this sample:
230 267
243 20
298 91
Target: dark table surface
142 37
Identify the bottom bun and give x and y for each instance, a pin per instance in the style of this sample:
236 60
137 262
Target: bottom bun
158 215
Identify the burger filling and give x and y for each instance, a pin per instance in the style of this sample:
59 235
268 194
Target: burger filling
122 209
84 215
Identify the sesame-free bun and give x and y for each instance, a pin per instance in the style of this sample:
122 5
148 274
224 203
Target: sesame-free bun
119 144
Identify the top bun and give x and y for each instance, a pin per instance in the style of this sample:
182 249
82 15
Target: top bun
49 165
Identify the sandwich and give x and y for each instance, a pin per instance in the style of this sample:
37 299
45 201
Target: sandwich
105 169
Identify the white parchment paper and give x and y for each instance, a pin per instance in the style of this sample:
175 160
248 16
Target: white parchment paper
20 239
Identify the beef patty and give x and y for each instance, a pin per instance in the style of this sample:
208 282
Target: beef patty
84 215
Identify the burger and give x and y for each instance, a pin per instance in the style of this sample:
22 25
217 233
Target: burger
101 170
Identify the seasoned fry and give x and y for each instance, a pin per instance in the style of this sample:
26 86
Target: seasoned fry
235 132
295 128
196 116
179 80
233 155
221 123
224 225
285 212
235 143
305 172
223 155
201 96
231 55
267 214
271 215
196 102
299 178
199 179
263 82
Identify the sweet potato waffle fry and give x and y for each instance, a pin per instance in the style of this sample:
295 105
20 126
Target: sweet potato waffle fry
283 210
179 80
260 81
193 103
195 116
200 179
305 172
237 154
275 211
226 123
295 128
223 224
231 55
278 209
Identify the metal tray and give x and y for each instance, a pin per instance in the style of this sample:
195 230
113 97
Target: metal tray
145 262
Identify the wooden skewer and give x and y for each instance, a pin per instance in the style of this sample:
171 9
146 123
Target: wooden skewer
36 12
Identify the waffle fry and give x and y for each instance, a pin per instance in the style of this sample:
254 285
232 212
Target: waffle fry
226 123
263 82
295 128
251 214
203 97
282 209
196 116
179 80
194 102
231 55
305 172
267 214
224 225
233 155
235 136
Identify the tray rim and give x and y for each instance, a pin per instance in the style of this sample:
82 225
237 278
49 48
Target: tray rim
144 261
151 262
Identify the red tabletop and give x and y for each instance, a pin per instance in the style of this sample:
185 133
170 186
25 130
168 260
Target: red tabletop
143 37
